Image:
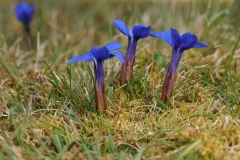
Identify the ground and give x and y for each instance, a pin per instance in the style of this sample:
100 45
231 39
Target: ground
47 107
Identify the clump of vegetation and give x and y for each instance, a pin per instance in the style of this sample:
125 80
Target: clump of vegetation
47 106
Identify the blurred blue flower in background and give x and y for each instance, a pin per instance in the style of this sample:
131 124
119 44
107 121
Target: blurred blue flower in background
98 55
179 45
24 12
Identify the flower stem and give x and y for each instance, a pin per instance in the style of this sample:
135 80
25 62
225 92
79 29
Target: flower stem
168 85
28 36
170 76
100 97
129 59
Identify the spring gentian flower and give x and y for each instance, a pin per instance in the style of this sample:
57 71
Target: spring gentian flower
137 32
24 13
179 45
98 55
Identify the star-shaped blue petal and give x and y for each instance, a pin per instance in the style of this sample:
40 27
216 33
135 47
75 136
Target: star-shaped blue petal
85 57
111 46
188 40
141 31
175 37
121 26
165 36
200 45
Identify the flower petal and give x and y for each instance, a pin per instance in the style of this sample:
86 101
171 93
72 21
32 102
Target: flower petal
100 54
120 25
141 31
119 55
200 45
175 37
188 40
111 46
165 36
85 57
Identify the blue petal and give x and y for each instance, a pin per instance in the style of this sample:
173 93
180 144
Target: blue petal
119 55
200 45
85 57
188 40
120 25
111 46
100 54
155 34
141 31
175 37
165 36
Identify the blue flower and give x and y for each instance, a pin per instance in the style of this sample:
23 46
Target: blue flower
24 12
98 56
137 32
179 45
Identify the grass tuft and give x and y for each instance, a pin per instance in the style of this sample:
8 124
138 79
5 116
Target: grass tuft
47 108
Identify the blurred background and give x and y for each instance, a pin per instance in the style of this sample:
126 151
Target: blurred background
91 21
72 27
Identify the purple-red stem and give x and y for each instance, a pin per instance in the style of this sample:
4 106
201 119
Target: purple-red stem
99 87
168 85
170 76
129 59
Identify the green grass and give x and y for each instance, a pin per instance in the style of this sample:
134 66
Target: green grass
47 107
